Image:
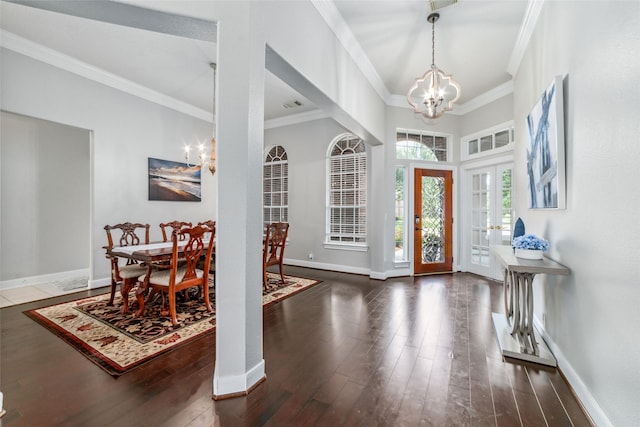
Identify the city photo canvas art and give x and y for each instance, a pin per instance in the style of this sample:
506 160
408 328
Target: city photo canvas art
545 150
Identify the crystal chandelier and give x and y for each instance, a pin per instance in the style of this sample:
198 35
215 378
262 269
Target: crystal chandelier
435 92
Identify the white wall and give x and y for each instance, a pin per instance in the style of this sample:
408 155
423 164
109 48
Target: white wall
307 145
494 113
45 197
592 316
126 131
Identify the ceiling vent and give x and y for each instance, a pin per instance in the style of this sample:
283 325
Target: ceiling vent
439 4
292 104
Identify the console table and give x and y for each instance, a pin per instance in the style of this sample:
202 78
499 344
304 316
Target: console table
515 330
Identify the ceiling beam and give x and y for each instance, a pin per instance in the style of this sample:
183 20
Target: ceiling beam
287 73
130 16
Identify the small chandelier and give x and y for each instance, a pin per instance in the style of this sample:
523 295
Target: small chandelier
435 92
202 154
201 158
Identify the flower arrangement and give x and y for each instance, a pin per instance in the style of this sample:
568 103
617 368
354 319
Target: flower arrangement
529 241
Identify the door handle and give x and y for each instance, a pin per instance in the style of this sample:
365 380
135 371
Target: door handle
418 229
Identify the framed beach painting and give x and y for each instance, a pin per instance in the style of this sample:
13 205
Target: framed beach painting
173 181
545 150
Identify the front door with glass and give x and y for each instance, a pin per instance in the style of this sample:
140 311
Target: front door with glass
433 221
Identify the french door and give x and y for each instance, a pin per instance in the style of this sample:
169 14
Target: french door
489 194
433 221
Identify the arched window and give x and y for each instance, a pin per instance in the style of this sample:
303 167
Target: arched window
347 192
276 186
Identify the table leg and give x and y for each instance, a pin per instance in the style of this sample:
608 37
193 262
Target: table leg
508 297
528 329
515 302
126 286
522 327
141 291
522 304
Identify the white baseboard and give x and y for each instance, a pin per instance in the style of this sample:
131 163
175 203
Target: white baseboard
582 391
45 278
238 384
377 275
99 283
399 272
325 266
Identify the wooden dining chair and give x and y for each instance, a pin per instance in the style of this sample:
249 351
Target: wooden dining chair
167 230
212 264
273 252
126 275
173 225
209 223
183 276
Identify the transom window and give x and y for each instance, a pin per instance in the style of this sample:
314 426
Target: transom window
413 145
497 139
276 186
347 192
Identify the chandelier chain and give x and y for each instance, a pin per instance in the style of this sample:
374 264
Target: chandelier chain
214 66
433 42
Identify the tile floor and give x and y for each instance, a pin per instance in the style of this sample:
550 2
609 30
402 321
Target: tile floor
24 294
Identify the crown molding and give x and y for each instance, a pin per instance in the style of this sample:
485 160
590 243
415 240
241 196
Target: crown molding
489 96
328 11
295 119
534 7
59 60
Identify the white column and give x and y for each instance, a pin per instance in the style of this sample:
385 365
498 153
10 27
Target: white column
240 123
378 219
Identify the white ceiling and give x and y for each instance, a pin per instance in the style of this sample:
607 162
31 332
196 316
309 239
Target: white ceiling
474 42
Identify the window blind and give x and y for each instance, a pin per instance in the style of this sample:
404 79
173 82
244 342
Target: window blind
347 207
276 186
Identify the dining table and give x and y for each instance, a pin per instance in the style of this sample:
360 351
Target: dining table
150 254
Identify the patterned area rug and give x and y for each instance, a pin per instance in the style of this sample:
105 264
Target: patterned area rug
120 342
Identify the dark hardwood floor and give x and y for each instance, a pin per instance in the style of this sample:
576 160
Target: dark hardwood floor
349 351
